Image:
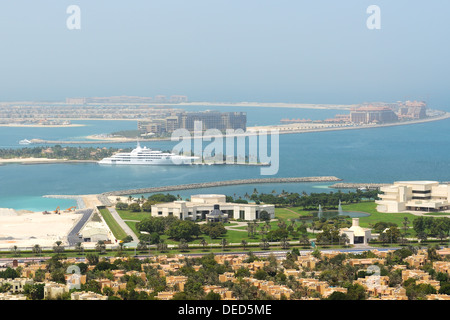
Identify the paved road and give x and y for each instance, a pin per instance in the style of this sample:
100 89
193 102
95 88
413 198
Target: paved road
122 224
72 237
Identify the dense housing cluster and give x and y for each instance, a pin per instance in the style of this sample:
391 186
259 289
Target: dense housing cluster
405 274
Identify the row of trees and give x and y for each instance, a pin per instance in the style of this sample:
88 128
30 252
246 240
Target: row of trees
59 152
308 202
432 227
152 228
143 204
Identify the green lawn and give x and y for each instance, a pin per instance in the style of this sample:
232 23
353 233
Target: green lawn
132 225
128 215
375 216
112 224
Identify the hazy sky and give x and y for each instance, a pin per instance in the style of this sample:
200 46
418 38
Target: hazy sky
227 50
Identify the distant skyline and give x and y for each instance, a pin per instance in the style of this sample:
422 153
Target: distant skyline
227 51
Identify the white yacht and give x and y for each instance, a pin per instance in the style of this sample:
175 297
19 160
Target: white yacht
24 141
146 156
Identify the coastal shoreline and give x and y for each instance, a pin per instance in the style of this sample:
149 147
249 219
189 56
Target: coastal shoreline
41 161
13 125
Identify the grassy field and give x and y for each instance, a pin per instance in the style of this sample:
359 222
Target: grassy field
375 216
112 224
128 215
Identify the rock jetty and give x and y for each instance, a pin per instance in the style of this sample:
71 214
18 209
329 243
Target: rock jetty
369 186
220 184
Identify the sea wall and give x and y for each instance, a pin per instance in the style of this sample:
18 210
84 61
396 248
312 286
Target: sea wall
220 184
369 186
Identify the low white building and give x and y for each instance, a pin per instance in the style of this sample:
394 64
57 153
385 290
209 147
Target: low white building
403 196
201 206
95 234
356 234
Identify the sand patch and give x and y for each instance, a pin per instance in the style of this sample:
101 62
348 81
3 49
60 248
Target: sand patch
28 229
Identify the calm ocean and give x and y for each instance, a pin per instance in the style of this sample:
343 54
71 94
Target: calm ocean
410 152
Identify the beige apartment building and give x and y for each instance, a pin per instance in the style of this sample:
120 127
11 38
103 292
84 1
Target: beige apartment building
429 196
211 207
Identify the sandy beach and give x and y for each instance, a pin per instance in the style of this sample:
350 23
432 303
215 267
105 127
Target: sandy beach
25 228
41 125
268 105
28 160
39 160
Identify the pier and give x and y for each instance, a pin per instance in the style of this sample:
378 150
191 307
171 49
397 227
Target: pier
220 184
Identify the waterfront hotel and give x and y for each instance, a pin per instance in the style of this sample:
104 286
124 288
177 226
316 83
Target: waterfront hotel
428 196
211 207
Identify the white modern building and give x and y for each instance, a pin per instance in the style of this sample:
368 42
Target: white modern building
206 206
430 196
357 234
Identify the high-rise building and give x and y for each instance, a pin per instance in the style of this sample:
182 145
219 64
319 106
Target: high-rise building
187 120
371 114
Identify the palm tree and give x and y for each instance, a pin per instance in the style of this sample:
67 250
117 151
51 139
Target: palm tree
422 236
251 228
141 246
15 250
183 245
130 198
204 244
313 226
344 238
405 224
58 248
79 247
120 248
304 240
101 246
264 245
224 243
37 249
284 244
244 243
161 246
441 235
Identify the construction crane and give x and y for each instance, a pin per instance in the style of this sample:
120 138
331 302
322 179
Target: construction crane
70 209
57 210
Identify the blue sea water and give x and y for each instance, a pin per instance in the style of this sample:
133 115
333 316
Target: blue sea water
384 155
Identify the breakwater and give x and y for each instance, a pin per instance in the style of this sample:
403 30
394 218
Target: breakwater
78 199
219 184
369 186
